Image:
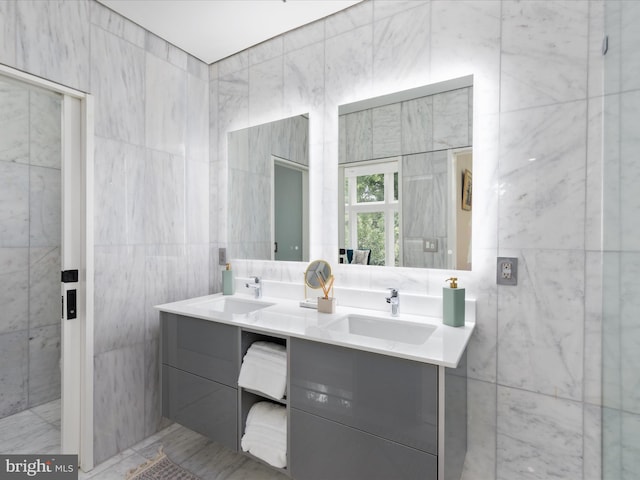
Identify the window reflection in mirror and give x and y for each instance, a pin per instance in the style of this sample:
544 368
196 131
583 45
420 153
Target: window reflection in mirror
268 191
405 167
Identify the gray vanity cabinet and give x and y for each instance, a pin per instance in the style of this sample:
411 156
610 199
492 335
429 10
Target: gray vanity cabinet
373 416
200 366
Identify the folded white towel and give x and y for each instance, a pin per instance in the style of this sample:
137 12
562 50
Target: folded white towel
266 433
264 369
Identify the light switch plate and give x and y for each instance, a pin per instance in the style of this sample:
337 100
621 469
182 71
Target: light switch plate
507 271
430 244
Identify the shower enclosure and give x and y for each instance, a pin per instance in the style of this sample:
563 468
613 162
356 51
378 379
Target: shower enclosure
30 240
621 244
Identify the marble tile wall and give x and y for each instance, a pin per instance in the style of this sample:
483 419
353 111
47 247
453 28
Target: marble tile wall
30 219
533 360
620 329
151 195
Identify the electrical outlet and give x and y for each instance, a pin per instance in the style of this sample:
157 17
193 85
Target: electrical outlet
507 271
430 245
222 256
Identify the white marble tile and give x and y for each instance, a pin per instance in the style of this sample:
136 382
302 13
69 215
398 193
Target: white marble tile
611 330
540 324
629 338
611 444
8 32
538 437
592 442
593 328
165 281
417 125
165 106
14 205
611 177
630 445
386 8
165 51
44 364
304 36
526 60
152 389
593 215
45 129
14 123
386 130
348 66
480 462
198 68
13 372
120 303
359 136
198 270
349 19
179 444
481 285
596 59
62 55
119 192
197 202
118 85
45 209
629 171
451 119
197 119
50 412
400 49
266 92
486 182
115 23
233 63
303 81
118 400
233 103
14 296
164 198
612 60
266 50
44 286
453 55
630 36
25 433
542 177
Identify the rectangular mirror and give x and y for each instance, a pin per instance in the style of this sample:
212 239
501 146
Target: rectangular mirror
405 178
268 191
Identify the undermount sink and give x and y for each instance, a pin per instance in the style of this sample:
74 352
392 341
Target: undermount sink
231 305
393 330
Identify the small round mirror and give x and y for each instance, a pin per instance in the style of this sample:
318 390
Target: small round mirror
318 269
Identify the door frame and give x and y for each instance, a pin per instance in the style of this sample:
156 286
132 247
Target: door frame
77 351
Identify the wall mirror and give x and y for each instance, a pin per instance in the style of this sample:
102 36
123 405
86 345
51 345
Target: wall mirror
268 191
405 178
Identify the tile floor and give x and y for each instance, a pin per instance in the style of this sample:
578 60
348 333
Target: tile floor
38 431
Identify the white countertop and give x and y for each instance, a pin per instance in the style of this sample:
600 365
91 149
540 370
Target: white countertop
285 317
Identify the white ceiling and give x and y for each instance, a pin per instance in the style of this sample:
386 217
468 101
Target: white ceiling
214 29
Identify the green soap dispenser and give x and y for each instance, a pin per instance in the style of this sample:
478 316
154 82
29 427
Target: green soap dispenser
228 285
453 304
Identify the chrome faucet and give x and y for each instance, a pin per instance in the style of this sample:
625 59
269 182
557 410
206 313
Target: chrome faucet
394 300
256 285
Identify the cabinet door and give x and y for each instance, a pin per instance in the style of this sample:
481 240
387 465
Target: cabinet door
202 347
390 397
202 405
322 449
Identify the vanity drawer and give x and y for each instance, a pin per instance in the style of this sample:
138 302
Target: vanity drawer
204 348
389 397
322 449
202 405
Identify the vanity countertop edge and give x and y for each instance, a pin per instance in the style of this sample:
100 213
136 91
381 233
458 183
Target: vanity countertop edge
285 317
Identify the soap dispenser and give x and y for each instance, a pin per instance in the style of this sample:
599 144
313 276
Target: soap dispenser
453 304
228 285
